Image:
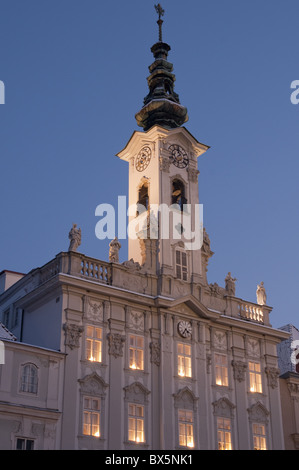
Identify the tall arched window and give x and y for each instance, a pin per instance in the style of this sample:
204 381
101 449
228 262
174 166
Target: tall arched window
143 199
178 194
29 378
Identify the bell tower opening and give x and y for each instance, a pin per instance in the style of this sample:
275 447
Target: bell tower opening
178 194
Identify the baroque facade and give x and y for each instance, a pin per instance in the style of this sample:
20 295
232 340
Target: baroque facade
144 354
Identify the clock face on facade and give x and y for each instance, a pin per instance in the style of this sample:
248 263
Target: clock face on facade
143 159
178 156
185 328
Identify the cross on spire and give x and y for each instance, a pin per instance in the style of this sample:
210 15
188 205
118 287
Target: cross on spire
160 12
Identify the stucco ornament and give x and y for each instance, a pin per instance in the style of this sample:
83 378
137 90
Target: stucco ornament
239 369
116 343
72 335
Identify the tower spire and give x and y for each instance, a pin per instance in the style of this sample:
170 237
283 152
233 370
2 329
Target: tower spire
161 105
160 12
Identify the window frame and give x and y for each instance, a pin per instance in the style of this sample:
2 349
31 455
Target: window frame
93 339
259 436
135 419
184 423
255 386
135 349
225 431
91 412
25 440
223 370
26 380
184 360
183 268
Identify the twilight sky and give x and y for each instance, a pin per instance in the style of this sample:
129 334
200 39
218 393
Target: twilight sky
75 75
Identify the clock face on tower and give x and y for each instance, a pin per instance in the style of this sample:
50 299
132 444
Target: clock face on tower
143 159
185 328
178 156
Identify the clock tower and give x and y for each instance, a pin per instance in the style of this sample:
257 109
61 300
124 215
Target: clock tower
165 219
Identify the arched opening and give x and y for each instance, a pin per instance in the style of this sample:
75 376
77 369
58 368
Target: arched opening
143 199
178 194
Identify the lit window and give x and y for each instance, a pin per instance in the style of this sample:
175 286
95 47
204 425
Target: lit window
24 444
184 360
186 428
259 437
224 434
136 423
94 344
181 265
221 374
91 416
255 377
29 379
136 352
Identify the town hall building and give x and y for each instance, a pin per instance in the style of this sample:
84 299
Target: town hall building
144 354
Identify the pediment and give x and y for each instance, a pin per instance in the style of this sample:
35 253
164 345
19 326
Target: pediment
188 306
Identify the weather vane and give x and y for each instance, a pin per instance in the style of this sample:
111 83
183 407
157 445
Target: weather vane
160 12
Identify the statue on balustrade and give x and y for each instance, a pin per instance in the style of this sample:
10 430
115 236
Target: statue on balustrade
75 238
114 247
230 284
261 296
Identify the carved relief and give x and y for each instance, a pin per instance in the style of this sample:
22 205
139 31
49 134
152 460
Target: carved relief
239 369
136 320
185 398
155 352
136 392
258 412
93 385
94 311
253 348
164 163
116 343
272 374
193 174
223 407
72 335
220 340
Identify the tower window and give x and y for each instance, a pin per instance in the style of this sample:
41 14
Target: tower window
143 199
178 194
181 265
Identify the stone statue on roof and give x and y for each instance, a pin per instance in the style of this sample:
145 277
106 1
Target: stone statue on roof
75 238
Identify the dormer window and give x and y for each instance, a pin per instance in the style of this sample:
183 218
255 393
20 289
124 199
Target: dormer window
178 194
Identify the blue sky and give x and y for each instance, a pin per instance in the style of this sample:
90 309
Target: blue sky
75 75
